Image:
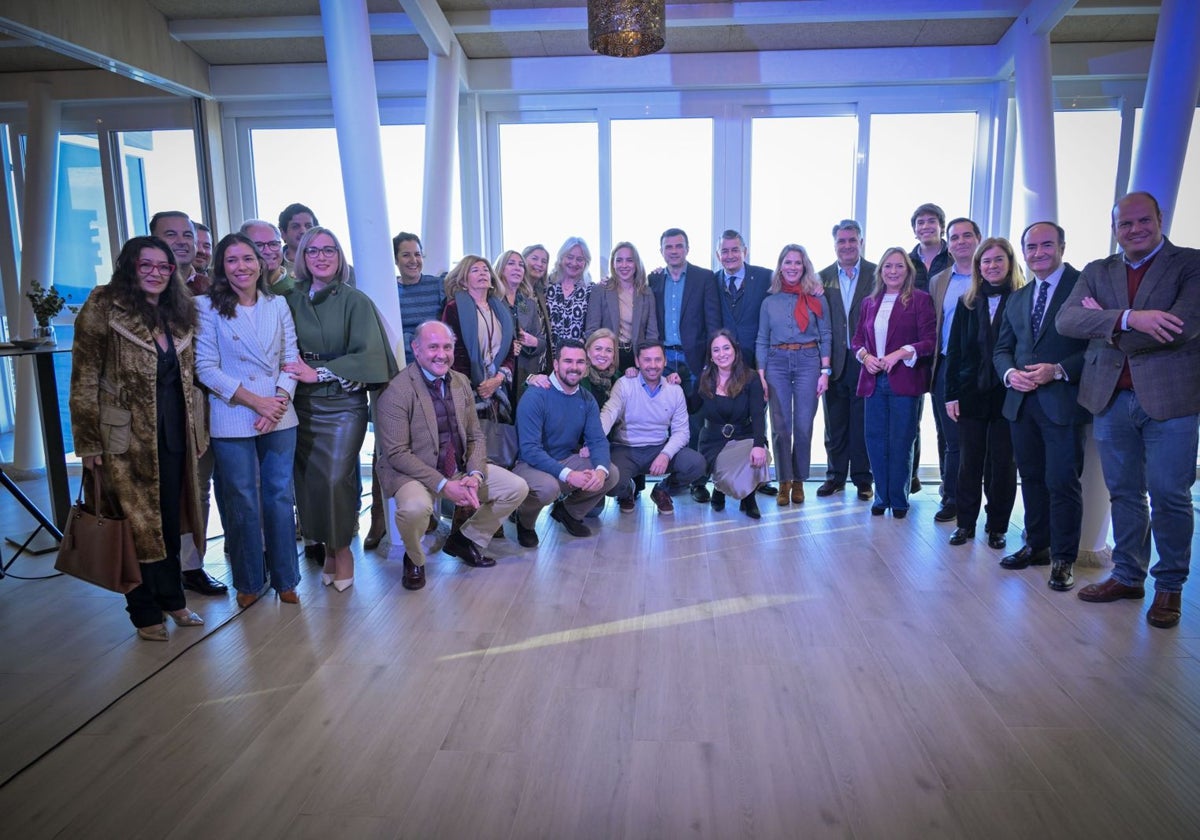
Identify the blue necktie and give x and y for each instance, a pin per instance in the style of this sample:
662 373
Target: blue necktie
1039 308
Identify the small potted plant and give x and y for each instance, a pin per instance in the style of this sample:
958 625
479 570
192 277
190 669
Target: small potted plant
46 305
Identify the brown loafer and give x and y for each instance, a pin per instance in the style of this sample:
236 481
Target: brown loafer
1110 590
1165 611
414 575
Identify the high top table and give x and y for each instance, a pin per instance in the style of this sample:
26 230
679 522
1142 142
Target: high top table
52 446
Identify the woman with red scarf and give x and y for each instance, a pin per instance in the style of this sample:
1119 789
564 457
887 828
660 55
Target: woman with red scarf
793 363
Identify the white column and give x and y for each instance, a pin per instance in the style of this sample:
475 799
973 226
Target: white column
1035 124
37 263
441 145
1172 90
356 121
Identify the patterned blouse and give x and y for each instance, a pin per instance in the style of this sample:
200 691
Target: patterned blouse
567 314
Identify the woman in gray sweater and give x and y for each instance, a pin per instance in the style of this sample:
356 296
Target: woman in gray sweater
793 363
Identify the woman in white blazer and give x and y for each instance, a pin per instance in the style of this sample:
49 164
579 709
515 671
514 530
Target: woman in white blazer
246 336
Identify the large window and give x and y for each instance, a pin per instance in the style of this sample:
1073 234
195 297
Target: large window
160 174
915 158
302 164
662 178
550 186
801 184
1086 147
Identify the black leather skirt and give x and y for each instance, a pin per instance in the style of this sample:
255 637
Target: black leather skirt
328 481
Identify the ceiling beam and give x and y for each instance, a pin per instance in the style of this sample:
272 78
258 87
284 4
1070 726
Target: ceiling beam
297 26
430 21
1038 18
127 37
426 19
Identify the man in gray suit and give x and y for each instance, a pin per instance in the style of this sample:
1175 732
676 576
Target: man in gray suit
1141 379
846 282
1041 370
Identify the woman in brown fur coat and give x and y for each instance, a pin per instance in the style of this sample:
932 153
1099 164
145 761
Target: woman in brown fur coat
137 416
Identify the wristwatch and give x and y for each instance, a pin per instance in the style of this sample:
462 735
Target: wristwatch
1059 373
827 371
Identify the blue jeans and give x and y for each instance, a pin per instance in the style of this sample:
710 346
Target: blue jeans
256 483
792 398
891 427
1138 453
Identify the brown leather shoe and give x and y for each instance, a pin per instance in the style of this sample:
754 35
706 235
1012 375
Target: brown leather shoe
1110 590
1165 611
785 493
414 575
289 597
457 545
797 493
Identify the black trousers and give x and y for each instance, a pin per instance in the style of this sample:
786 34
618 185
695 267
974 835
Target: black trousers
161 589
845 435
1050 461
985 465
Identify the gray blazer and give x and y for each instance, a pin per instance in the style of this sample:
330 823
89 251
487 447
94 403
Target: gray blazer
838 316
604 310
230 353
1166 377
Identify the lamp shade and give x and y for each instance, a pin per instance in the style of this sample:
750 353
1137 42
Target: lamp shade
626 28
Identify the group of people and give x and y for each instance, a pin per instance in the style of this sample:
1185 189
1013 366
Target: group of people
528 386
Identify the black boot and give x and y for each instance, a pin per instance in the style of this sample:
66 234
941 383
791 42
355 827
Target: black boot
749 507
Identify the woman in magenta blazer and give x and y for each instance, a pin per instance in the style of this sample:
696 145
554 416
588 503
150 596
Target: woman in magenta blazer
895 343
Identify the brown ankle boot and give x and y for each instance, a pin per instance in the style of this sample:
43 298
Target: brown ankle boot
798 492
785 493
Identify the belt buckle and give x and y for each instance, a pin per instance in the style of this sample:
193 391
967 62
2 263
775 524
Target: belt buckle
727 430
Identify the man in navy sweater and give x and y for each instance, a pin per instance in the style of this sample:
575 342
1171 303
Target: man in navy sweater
563 449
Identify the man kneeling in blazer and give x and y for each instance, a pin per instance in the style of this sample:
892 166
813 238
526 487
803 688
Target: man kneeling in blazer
429 444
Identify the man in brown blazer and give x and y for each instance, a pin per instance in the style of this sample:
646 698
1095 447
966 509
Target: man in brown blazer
430 445
1140 309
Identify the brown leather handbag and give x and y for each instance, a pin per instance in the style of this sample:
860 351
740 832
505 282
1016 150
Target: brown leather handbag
97 547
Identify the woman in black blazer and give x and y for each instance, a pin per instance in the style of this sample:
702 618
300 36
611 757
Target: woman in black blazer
975 395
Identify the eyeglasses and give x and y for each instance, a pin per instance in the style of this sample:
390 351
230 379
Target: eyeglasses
273 245
326 251
147 267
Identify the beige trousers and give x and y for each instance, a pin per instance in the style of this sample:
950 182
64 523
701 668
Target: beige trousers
499 495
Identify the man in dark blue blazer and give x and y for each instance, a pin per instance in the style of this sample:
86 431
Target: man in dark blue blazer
688 311
741 288
1041 369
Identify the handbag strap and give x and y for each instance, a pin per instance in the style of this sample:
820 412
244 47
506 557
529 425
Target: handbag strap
101 491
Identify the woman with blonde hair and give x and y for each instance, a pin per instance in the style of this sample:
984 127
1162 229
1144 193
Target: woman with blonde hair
792 351
527 312
567 291
624 304
537 264
483 326
344 354
975 395
894 343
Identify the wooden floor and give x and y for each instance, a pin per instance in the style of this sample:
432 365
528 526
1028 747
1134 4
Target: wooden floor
822 673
